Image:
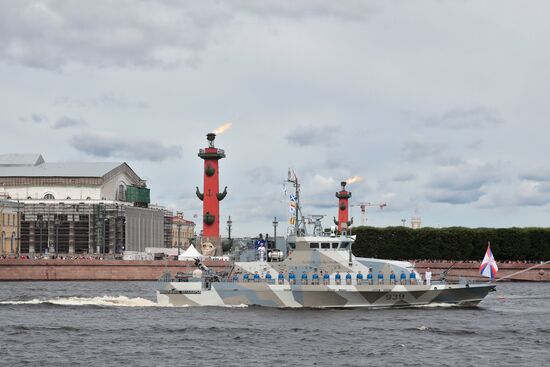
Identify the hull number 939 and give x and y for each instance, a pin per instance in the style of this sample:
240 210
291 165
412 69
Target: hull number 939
395 296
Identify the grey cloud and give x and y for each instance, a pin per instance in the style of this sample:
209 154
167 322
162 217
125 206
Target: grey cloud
65 122
261 175
125 33
106 100
524 193
533 200
34 118
455 197
312 135
419 148
319 203
462 180
540 174
463 118
50 35
476 144
533 189
111 100
532 194
404 177
104 146
544 188
461 183
352 10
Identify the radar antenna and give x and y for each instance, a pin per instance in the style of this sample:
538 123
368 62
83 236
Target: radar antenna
315 219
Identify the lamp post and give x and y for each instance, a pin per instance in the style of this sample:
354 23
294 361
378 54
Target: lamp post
179 237
40 225
50 234
56 224
229 225
275 223
18 237
104 221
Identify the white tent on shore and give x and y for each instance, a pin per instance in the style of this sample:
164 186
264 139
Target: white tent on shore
190 253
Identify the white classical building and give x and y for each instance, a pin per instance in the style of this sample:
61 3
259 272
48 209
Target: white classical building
80 207
29 177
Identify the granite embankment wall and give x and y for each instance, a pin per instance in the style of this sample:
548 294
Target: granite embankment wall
35 270
471 270
25 269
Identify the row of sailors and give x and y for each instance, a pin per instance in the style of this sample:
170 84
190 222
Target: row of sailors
316 278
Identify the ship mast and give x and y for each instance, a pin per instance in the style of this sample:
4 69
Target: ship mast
293 179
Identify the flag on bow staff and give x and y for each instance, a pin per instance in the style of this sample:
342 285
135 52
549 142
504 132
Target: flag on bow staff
488 266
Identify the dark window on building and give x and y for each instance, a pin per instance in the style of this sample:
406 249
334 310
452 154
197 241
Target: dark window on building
49 197
121 193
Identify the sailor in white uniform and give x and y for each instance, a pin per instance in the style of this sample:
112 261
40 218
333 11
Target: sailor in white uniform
428 276
262 253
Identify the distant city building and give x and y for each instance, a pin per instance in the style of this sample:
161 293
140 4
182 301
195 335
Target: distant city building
9 227
416 222
29 177
80 207
182 231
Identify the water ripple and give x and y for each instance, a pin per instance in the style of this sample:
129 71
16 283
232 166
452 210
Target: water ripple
113 324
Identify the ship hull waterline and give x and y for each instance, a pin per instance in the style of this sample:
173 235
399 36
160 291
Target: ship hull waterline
321 296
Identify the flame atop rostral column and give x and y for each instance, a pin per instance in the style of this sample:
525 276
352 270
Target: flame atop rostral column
222 128
353 179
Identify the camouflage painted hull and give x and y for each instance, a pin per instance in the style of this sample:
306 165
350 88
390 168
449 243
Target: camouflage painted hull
320 296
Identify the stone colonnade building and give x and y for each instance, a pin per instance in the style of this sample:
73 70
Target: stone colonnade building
80 207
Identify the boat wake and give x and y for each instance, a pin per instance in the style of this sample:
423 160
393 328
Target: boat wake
104 301
503 297
438 305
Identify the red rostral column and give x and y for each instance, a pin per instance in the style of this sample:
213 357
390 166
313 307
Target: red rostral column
211 196
343 197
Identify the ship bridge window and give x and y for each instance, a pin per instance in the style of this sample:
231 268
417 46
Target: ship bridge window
313 245
292 245
335 245
325 245
344 245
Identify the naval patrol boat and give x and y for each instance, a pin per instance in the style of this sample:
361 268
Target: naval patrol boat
291 282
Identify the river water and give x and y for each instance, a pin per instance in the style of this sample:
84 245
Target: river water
114 324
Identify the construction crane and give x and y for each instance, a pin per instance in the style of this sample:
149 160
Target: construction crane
363 206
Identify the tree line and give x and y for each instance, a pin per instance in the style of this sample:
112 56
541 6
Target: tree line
453 243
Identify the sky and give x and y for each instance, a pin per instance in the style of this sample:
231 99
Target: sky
441 107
